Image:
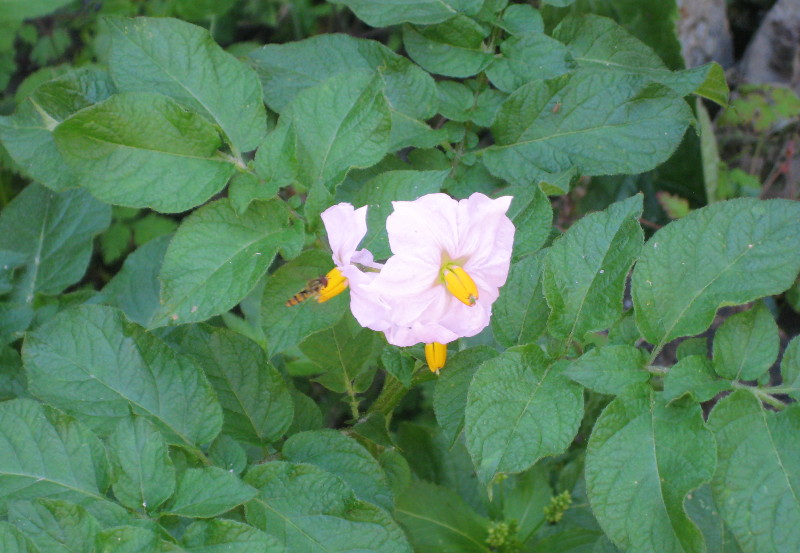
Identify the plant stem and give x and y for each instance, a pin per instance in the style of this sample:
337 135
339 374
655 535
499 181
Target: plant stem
762 395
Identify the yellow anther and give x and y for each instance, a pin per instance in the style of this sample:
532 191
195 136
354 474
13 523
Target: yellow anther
435 355
460 284
337 283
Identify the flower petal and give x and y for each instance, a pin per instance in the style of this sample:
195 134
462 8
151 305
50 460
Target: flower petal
346 227
425 227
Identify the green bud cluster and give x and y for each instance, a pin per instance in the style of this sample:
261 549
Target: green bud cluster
502 537
554 512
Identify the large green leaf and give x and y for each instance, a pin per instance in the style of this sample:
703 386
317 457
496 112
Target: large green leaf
181 60
382 13
790 367
519 315
135 288
14 541
312 511
217 256
144 150
341 123
286 69
28 9
128 539
520 408
47 454
346 354
437 519
288 326
454 48
208 492
746 345
610 369
704 512
531 57
727 253
144 474
336 453
757 482
255 400
54 233
598 122
599 42
532 216
228 536
643 459
693 375
585 271
452 386
28 134
55 526
379 193
90 361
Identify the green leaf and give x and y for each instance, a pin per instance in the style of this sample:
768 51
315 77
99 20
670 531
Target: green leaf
756 485
643 459
610 369
704 512
727 253
585 270
144 474
47 454
692 346
29 9
532 216
229 536
693 375
341 123
746 344
380 191
338 454
531 57
208 492
520 408
90 361
454 48
127 539
437 519
525 497
14 541
144 150
520 313
275 162
288 326
709 150
28 134
312 511
790 368
399 364
599 42
600 122
347 353
180 60
522 19
55 526
286 69
217 256
226 453
382 13
135 288
450 396
255 399
54 233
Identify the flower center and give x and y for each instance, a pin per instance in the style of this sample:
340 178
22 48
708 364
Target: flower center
460 284
337 283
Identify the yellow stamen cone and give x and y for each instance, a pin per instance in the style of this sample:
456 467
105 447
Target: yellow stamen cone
435 355
337 283
460 284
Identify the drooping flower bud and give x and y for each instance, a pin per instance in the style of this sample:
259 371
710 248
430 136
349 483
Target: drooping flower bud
435 355
460 284
337 283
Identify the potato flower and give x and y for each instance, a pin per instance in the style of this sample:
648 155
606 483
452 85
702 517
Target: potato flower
450 259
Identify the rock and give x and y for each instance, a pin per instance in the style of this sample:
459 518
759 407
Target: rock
704 32
773 55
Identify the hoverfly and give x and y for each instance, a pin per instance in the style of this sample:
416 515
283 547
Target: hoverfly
312 289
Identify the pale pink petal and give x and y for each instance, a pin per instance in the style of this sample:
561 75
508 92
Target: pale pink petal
346 227
425 227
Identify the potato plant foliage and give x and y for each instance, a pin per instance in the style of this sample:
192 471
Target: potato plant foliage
157 395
